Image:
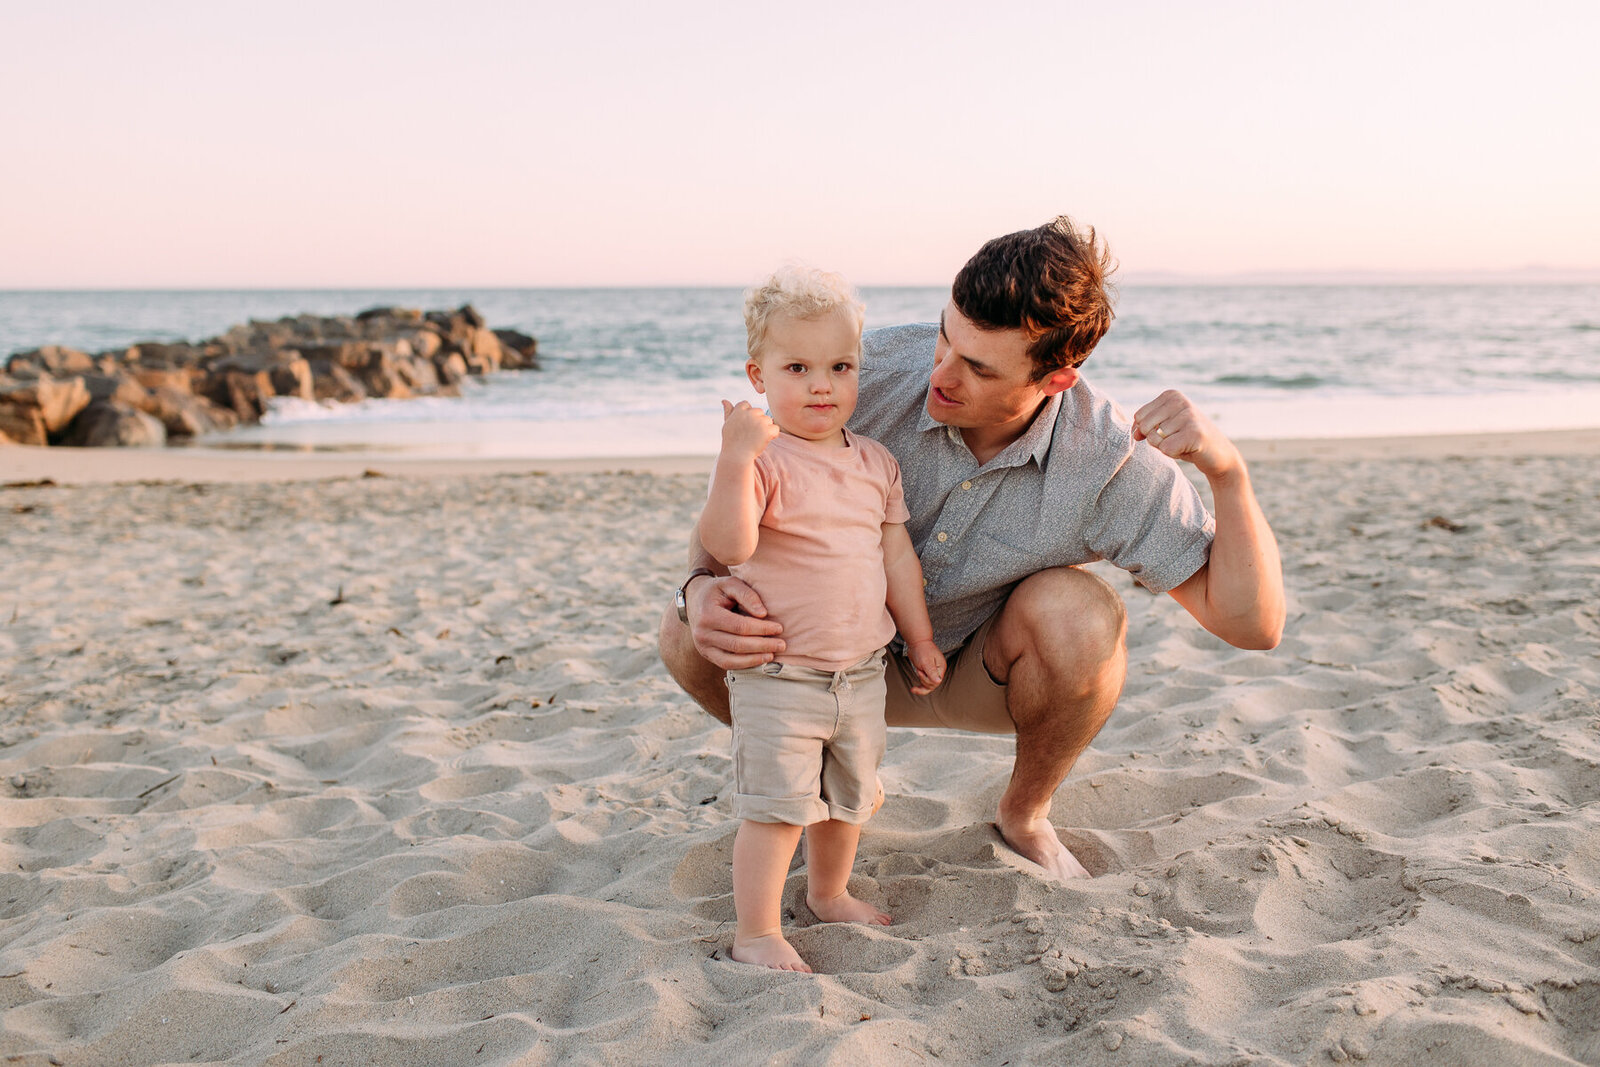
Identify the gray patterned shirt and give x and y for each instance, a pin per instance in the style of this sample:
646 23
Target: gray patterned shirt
1074 488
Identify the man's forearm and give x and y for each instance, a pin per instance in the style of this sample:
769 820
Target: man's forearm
1243 582
699 557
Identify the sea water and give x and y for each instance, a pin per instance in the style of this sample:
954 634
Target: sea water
638 372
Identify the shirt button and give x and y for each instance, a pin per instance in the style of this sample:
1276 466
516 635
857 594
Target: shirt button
966 485
943 536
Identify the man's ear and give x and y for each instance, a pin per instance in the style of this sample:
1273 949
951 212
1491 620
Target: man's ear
1060 381
752 370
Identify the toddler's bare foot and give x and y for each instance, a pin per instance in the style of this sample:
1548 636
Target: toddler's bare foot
770 950
877 802
845 908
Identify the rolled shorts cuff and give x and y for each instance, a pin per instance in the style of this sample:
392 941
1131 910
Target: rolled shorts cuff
796 811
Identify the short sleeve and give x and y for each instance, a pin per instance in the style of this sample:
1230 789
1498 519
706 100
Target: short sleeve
894 509
766 481
1150 521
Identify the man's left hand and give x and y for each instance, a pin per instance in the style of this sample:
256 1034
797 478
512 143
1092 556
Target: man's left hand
1178 429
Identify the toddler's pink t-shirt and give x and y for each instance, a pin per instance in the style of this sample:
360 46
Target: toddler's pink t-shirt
818 564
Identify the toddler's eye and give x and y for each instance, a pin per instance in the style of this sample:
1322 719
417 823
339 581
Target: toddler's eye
843 368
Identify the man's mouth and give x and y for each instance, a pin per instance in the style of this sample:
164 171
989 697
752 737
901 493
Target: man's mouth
942 396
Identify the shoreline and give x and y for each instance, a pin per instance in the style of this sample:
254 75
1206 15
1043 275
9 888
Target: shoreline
98 466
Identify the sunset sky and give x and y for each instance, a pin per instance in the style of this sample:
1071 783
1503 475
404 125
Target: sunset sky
399 144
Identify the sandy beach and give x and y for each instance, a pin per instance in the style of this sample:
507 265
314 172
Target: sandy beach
360 761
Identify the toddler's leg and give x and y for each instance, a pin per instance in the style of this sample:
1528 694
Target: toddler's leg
761 854
830 854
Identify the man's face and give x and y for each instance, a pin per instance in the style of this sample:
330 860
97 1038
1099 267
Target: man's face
808 371
982 378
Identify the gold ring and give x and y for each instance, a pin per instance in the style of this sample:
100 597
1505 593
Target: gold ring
1161 433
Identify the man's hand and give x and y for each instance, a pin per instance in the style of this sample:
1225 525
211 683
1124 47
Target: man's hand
929 662
746 431
729 625
1178 429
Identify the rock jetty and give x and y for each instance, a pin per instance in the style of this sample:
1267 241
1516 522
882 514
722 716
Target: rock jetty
150 393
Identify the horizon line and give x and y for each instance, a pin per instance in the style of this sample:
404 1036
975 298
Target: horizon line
1156 277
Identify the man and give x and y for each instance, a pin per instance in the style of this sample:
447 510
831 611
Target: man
1016 470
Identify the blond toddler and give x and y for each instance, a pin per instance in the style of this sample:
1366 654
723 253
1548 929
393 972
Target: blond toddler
812 518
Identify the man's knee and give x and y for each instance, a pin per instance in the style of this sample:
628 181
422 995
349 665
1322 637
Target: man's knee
1067 613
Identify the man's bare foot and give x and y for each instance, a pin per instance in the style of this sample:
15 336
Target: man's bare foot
770 950
1036 840
845 908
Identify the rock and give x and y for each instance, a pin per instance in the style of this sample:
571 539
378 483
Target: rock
196 388
31 411
451 367
111 424
181 379
331 381
246 394
22 425
293 378
55 360
391 314
424 343
483 352
457 326
161 354
520 351
121 387
352 355
186 415
419 374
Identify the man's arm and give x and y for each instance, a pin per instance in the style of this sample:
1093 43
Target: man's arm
1238 593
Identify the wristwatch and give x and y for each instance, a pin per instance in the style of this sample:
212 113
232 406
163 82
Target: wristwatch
680 598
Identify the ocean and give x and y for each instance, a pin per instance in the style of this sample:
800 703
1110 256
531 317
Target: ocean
635 372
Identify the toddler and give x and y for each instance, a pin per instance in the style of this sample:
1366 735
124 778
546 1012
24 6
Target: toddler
812 517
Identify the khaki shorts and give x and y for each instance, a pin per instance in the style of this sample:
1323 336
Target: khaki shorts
807 743
967 699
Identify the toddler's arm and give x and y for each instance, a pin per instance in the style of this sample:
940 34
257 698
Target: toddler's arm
909 607
731 522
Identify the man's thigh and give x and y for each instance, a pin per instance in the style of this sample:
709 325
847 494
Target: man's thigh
968 699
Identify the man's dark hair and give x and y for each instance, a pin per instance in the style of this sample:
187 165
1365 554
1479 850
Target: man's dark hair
1049 282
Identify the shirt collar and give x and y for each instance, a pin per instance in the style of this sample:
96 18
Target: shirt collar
1034 443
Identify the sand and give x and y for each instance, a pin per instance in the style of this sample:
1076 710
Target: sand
299 766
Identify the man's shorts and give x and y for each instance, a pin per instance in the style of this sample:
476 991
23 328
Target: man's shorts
807 743
967 699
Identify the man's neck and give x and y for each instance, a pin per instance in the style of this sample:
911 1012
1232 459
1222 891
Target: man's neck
987 442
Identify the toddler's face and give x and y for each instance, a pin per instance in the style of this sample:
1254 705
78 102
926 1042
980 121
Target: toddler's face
808 370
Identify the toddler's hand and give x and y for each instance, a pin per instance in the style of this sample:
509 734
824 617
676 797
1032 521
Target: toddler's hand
745 430
929 662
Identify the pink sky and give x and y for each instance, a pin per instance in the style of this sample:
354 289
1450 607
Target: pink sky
363 144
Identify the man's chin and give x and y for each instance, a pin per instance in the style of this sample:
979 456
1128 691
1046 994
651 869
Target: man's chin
938 412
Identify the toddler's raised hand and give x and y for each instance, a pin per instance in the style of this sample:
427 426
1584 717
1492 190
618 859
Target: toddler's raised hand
745 430
929 662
